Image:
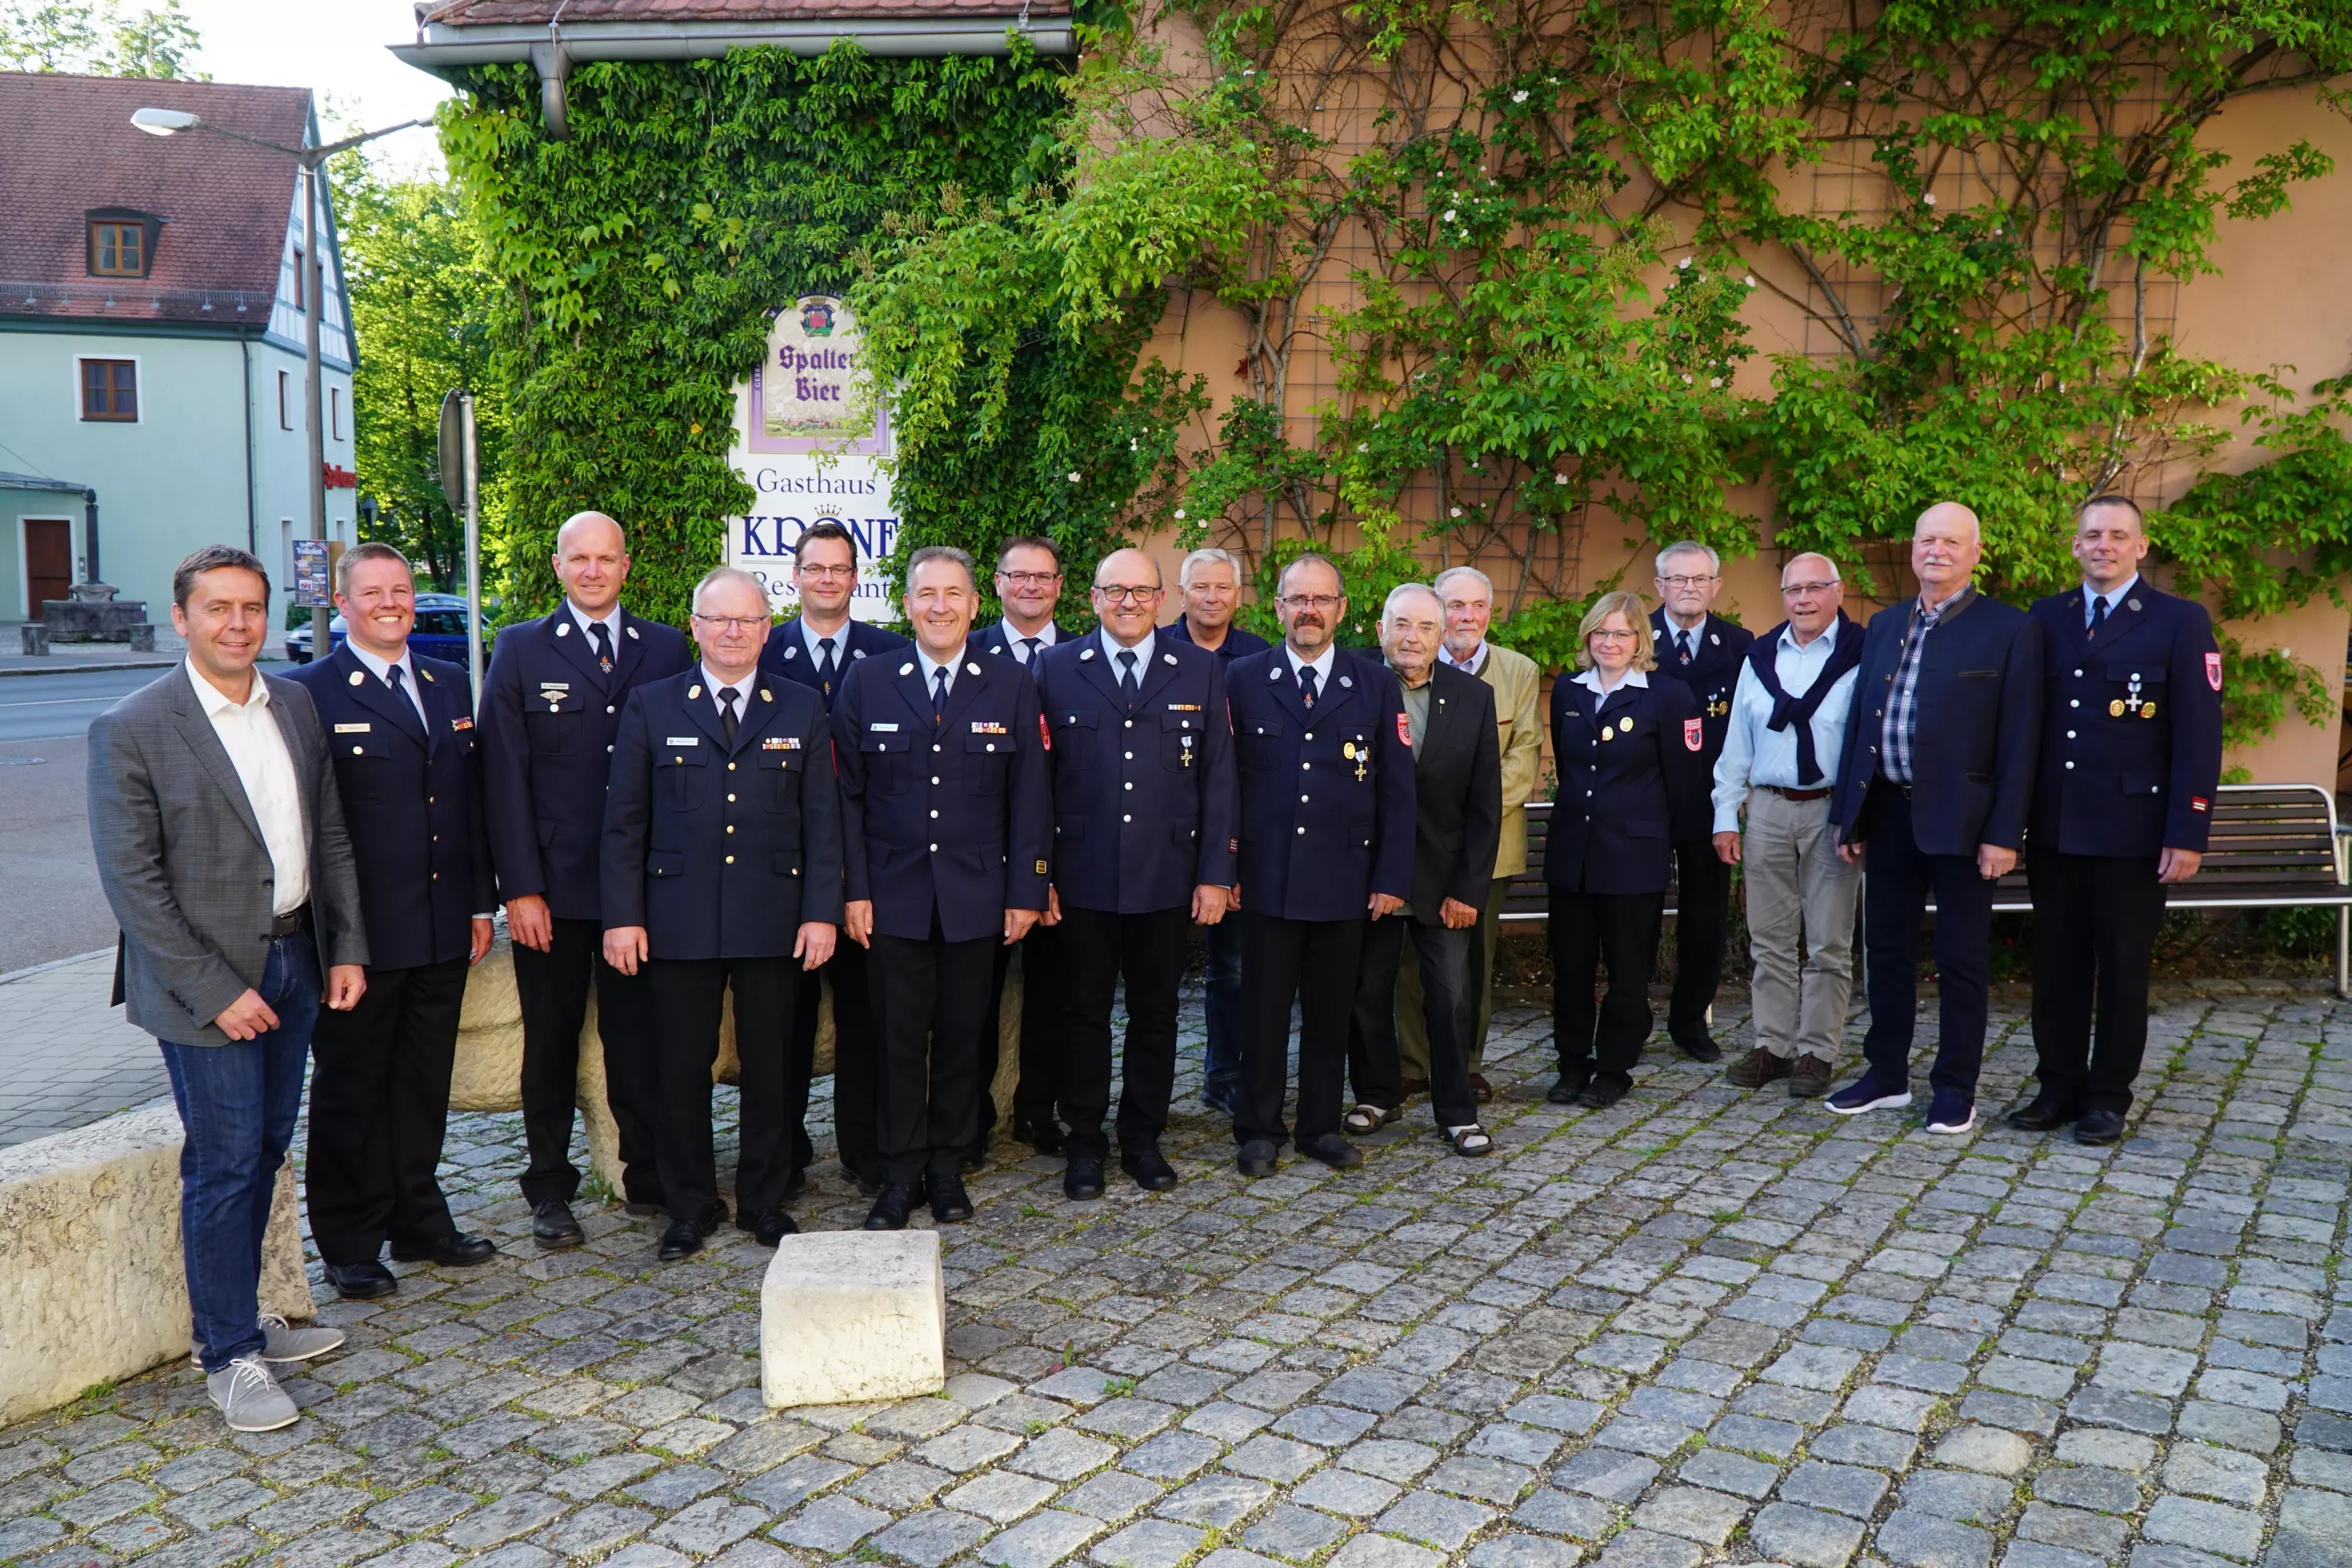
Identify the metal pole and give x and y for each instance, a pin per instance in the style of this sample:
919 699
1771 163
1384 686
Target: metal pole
313 312
89 535
473 551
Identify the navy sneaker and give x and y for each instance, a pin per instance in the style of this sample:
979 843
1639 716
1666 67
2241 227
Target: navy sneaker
1866 1093
1950 1112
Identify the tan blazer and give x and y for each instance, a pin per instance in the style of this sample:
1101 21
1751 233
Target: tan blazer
1518 723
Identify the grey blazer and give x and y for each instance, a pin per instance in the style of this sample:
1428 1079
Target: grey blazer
181 856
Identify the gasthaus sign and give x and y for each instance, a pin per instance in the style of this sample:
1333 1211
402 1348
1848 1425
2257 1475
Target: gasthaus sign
803 461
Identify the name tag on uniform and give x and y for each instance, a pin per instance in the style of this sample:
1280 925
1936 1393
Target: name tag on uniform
780 743
988 727
556 688
683 740
461 723
353 729
883 728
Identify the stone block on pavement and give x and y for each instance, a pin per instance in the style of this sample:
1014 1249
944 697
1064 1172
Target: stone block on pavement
846 1316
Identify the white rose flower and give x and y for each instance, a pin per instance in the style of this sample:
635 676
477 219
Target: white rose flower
1074 476
1179 514
1457 512
1929 198
1683 264
1520 96
1449 215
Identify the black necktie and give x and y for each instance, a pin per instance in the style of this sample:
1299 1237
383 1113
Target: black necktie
728 697
1030 644
1307 683
2098 614
602 636
1682 645
408 715
1126 683
825 667
939 693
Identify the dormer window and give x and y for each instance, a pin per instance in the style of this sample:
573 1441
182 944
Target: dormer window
121 242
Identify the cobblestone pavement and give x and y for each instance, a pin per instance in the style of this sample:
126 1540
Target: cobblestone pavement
1705 1326
68 1058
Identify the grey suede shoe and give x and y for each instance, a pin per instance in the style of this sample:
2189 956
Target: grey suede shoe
284 1342
250 1399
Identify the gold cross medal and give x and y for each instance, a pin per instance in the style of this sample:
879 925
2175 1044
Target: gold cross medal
1349 750
1187 742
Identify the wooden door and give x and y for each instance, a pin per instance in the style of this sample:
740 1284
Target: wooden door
48 562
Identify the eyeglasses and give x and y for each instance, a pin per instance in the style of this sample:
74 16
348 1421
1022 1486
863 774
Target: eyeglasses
807 571
1791 590
1311 601
732 623
1030 579
1606 635
1121 596
1687 582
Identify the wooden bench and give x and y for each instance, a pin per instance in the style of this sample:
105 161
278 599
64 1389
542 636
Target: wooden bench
2273 846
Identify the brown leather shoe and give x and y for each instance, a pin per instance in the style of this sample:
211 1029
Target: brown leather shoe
1810 1078
1483 1091
1413 1086
1757 1069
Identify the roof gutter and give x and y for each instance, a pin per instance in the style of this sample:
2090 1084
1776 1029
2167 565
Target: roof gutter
551 52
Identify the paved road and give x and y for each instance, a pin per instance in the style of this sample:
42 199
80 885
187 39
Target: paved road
36 707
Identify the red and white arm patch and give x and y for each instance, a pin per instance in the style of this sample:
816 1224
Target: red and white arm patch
1694 734
1045 735
1404 731
2199 803
2213 670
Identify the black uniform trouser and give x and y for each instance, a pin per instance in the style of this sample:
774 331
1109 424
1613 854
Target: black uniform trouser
1587 928
1315 962
1898 879
553 987
379 1105
1702 915
1447 963
1041 1029
843 977
928 999
1099 947
688 995
2096 917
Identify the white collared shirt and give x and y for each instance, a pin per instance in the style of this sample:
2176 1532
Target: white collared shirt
932 667
382 670
250 734
1322 664
1467 665
1674 629
1142 651
1590 680
2113 596
742 690
610 620
810 637
1016 643
1754 754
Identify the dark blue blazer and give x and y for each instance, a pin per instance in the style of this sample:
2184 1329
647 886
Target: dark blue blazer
1144 798
411 795
954 820
787 655
1633 782
1979 726
1327 797
2131 727
1713 674
549 715
721 851
1237 642
996 637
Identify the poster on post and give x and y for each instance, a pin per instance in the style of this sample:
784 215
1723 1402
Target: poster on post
313 575
805 463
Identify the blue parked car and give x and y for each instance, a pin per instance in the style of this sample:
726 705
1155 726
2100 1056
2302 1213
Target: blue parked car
440 629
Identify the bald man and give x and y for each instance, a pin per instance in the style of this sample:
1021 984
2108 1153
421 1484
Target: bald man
551 710
1931 801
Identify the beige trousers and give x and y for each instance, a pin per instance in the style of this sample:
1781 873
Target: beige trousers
1413 1025
1797 887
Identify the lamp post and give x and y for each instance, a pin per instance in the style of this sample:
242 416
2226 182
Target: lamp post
310 160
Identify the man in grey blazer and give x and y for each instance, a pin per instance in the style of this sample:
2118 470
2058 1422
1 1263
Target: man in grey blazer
221 847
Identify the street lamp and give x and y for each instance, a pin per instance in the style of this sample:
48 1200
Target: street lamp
170 122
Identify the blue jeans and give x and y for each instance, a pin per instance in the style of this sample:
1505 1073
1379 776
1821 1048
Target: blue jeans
237 1102
1220 1065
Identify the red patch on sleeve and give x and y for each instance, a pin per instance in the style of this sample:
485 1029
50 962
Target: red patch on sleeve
2213 670
1694 734
1404 732
1044 736
2197 803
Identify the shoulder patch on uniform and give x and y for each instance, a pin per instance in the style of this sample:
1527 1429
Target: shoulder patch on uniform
1045 734
1404 731
2213 670
1694 734
2199 803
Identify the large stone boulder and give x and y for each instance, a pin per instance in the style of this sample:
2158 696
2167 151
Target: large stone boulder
92 1286
848 1316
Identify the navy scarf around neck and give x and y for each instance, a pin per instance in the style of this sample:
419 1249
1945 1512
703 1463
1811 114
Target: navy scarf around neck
1763 656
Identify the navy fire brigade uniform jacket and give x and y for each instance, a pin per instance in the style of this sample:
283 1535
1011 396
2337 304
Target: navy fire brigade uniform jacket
722 851
1144 798
550 714
1327 795
412 791
786 654
1717 650
1633 782
1238 643
954 819
2131 726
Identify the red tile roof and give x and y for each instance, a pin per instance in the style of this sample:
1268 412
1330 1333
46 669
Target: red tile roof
71 148
539 13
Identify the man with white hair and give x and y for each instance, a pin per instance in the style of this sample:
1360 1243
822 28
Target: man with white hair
1704 652
1787 729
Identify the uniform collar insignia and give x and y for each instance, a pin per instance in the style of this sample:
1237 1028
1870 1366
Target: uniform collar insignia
791 654
973 668
563 628
1085 654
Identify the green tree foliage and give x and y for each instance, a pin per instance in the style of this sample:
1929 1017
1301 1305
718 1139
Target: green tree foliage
420 305
98 37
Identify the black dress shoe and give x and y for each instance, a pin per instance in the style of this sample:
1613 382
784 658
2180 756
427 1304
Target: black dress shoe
1083 1180
458 1251
1605 1091
1569 1084
2045 1115
1041 1133
361 1282
950 1205
1700 1047
1333 1151
769 1225
1150 1168
2100 1128
892 1205
682 1239
1255 1158
553 1227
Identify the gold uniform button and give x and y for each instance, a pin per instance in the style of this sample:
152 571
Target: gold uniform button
730 767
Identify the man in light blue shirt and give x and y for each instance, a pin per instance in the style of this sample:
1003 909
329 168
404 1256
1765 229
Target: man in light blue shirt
1786 732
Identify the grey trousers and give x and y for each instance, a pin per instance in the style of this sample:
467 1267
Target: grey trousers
1412 1030
1797 887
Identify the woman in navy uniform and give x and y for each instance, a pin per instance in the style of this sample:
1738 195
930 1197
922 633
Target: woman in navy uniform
1632 783
2131 757
722 872
948 825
